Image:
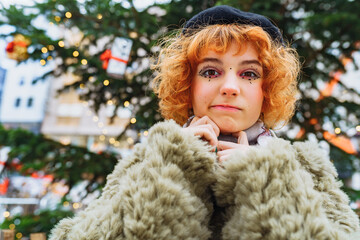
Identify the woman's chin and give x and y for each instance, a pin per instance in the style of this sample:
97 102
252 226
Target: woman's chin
230 125
228 128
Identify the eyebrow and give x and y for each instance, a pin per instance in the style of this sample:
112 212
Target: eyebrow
245 62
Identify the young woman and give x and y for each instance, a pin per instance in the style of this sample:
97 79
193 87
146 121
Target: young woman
214 170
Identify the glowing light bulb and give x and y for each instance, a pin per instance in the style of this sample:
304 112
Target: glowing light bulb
357 128
337 130
75 53
6 214
68 15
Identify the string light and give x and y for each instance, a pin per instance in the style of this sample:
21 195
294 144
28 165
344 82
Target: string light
126 103
102 138
49 58
68 15
51 47
112 140
61 43
133 120
76 205
95 119
106 82
6 214
82 86
44 50
357 128
42 62
337 130
91 79
57 18
146 133
19 235
99 16
83 61
51 23
75 53
12 226
66 204
133 34
130 140
110 102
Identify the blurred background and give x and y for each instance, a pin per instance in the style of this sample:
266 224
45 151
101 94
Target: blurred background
75 93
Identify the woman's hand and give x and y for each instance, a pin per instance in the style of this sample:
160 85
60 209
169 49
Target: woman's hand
225 149
205 128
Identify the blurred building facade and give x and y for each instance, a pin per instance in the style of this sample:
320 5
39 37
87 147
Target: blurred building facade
23 99
71 121
2 80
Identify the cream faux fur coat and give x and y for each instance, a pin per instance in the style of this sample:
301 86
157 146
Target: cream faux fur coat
173 188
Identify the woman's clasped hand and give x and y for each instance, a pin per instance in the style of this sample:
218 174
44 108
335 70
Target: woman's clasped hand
208 131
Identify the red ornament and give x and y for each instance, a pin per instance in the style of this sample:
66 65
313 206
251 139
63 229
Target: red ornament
4 186
17 49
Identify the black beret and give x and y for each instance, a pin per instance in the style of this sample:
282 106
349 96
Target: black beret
229 15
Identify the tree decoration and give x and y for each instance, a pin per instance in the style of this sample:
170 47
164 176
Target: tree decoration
116 59
17 49
4 185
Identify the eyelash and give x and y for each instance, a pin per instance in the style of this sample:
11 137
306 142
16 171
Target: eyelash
205 73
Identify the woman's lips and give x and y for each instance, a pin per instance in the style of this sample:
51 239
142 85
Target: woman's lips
226 108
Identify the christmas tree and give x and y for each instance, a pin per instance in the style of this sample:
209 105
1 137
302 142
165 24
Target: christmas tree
325 34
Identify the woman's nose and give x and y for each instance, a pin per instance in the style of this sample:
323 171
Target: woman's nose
230 87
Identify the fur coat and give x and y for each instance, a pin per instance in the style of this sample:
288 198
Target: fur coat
172 187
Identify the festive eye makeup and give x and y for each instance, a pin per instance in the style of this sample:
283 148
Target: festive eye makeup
209 72
212 67
250 75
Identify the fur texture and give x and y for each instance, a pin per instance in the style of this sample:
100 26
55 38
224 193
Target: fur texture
173 188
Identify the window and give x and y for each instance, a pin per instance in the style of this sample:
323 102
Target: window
17 102
30 102
22 81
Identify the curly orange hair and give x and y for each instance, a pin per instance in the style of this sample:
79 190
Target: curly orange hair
181 54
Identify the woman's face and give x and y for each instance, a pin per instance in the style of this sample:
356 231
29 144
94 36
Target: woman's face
227 88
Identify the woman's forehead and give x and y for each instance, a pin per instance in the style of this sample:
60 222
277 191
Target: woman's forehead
234 47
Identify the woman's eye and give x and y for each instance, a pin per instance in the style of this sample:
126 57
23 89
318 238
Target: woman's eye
209 73
250 75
